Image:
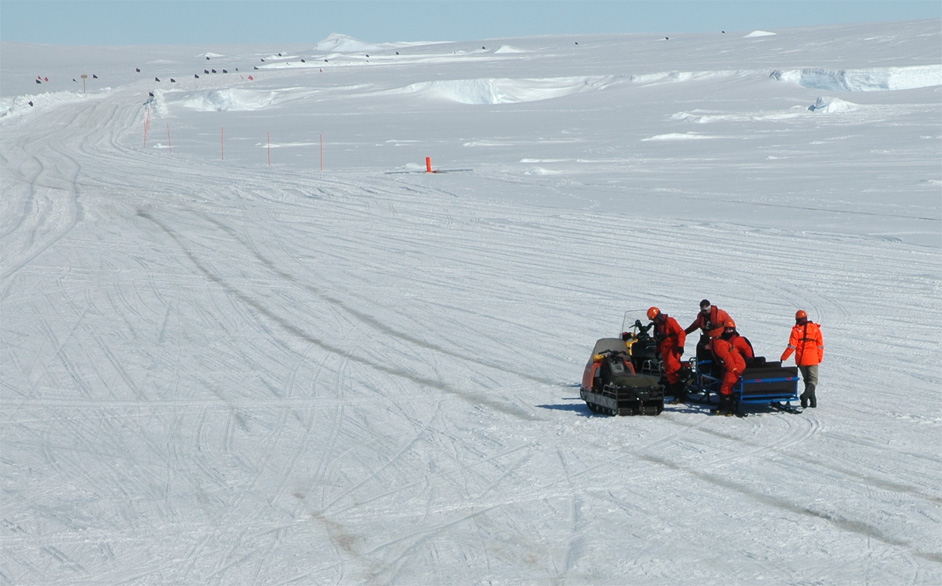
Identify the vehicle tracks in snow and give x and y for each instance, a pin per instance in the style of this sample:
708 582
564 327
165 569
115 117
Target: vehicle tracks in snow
261 309
711 472
778 451
868 531
363 317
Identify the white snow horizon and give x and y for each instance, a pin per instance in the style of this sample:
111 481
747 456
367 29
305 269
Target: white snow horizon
248 339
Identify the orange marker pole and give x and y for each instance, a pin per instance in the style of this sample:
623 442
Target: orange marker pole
428 164
146 126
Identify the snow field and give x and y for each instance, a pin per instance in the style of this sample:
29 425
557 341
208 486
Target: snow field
216 371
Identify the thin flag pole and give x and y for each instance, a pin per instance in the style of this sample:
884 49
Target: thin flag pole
146 126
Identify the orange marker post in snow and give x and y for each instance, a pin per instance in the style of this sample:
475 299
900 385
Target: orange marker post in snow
428 164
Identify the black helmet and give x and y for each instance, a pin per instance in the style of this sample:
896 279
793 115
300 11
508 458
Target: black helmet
705 305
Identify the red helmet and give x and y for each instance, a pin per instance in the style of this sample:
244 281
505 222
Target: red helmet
730 323
653 313
800 314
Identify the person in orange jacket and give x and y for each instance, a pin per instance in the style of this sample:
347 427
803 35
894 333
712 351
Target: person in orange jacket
710 322
670 338
727 352
711 318
807 342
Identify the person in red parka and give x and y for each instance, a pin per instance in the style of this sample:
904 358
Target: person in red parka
730 355
710 319
670 338
710 322
807 342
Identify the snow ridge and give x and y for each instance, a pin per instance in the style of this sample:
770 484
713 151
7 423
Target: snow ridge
864 80
506 91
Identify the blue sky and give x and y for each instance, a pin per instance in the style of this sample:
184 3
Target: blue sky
169 22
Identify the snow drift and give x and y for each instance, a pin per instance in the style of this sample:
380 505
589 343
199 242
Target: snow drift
831 105
865 80
226 100
505 91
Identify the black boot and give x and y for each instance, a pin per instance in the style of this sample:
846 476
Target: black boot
679 391
726 406
807 397
669 391
812 400
730 406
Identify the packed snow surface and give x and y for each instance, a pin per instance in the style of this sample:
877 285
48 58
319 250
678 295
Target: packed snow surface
247 339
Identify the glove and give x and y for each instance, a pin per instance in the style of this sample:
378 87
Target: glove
679 351
625 336
783 358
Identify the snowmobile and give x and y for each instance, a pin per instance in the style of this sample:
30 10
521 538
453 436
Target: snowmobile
622 376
